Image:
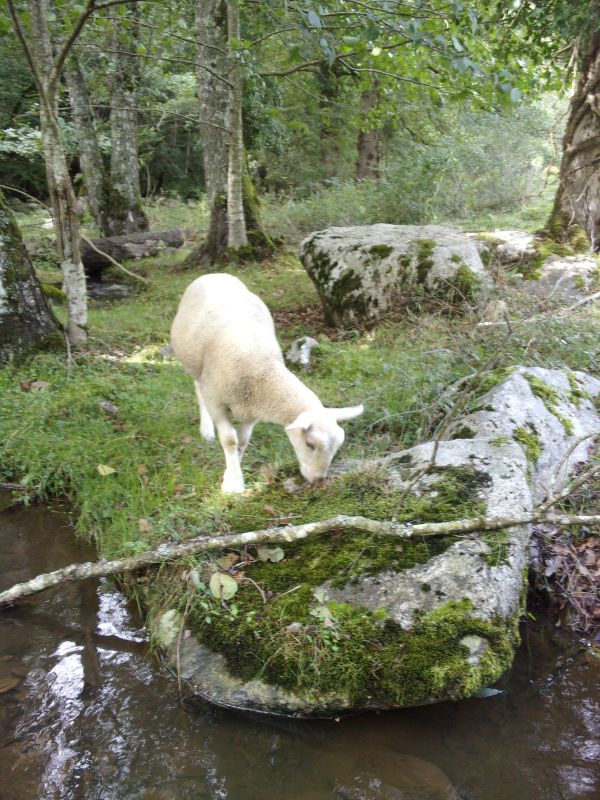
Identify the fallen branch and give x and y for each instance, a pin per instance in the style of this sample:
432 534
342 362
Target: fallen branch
282 535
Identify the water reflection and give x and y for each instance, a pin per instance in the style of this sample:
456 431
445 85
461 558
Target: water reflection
93 716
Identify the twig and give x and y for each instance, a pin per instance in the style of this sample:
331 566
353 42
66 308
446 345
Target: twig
288 533
113 261
591 299
565 460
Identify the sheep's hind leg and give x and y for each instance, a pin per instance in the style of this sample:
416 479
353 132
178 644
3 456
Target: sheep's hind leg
244 432
207 428
233 479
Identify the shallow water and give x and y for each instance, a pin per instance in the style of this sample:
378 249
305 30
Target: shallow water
94 716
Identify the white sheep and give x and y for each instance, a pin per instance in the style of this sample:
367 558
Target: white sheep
224 336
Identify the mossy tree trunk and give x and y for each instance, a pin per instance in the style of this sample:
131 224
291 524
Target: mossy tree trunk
94 173
125 212
217 112
25 317
576 208
60 188
367 146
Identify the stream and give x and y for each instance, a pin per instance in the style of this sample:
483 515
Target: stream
87 712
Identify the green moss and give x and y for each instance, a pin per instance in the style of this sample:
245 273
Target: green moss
462 287
577 394
380 251
54 293
486 381
499 441
359 654
530 441
499 548
463 432
425 250
551 399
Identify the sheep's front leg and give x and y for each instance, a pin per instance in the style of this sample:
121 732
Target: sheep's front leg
207 428
244 432
233 479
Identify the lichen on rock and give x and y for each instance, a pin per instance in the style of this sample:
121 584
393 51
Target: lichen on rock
359 272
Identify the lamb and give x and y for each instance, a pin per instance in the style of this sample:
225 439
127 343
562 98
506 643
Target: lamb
224 336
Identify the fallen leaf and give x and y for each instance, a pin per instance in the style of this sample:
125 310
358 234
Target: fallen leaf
104 469
38 386
222 586
269 510
273 554
6 684
228 560
142 469
144 526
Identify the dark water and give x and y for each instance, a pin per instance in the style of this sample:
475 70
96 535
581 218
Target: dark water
95 717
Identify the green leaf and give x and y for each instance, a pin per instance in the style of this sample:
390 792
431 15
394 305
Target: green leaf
222 586
273 554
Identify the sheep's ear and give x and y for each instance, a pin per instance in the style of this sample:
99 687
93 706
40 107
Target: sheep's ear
341 414
303 420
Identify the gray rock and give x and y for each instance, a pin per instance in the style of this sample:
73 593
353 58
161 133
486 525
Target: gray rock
462 571
359 272
546 411
510 247
300 350
566 277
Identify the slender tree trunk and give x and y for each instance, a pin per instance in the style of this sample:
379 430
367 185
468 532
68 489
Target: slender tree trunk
94 173
125 212
367 162
575 216
60 188
215 90
25 316
236 231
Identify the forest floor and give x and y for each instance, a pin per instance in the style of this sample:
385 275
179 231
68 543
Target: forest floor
115 429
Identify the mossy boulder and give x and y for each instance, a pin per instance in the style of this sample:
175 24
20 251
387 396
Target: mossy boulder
566 278
544 410
361 272
350 621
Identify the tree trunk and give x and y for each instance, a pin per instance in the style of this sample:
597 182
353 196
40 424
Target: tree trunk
125 212
92 166
367 162
25 316
236 231
214 89
60 188
575 216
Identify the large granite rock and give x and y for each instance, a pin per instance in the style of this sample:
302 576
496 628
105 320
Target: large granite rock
566 278
350 621
545 410
360 272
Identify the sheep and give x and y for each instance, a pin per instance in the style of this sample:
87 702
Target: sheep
224 336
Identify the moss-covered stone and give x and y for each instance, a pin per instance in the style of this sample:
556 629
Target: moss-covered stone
577 394
280 628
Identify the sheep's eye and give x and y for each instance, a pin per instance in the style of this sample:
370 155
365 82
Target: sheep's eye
310 446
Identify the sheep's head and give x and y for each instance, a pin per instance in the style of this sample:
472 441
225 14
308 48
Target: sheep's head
316 437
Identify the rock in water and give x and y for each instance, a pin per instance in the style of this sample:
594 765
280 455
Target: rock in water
350 621
360 272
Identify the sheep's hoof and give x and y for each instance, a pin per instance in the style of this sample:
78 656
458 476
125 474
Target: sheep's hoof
208 434
232 486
